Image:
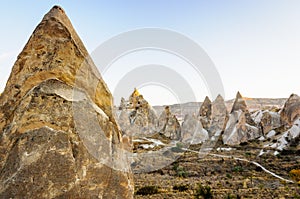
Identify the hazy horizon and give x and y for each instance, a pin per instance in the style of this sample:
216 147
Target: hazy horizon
254 45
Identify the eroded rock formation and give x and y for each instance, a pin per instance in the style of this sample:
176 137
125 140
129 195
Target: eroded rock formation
137 116
205 113
291 110
240 126
169 125
219 115
192 131
58 136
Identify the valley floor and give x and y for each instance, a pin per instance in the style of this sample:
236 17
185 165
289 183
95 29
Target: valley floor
222 177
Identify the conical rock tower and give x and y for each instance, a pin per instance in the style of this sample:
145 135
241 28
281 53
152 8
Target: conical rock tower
58 136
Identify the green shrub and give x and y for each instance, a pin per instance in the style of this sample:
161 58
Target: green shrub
203 192
180 171
229 196
237 169
147 190
228 175
181 188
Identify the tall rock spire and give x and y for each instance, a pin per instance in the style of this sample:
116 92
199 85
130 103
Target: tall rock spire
239 103
205 113
54 143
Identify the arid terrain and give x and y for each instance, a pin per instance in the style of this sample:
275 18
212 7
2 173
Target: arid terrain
62 137
225 177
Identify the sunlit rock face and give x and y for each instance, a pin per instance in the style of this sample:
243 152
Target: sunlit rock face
51 110
137 117
240 126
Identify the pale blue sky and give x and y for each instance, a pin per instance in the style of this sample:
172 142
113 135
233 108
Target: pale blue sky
255 44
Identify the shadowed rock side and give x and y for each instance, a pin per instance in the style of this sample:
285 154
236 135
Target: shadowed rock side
137 116
42 152
169 125
219 115
291 110
240 126
205 113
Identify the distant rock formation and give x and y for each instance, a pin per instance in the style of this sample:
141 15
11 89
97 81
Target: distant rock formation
239 104
137 115
169 125
291 110
268 120
285 139
44 141
219 115
192 131
240 126
205 113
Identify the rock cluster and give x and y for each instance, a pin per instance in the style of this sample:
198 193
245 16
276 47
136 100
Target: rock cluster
137 116
168 124
240 126
58 136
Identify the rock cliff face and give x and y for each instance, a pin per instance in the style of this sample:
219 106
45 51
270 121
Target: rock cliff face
291 110
240 126
47 147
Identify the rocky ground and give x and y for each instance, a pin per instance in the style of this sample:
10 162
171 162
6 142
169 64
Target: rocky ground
222 177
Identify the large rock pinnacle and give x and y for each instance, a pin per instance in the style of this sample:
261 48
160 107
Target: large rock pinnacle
58 136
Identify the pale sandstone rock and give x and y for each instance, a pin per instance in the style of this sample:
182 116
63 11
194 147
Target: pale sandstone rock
240 126
46 149
137 117
169 125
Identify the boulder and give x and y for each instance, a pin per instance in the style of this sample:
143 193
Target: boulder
58 135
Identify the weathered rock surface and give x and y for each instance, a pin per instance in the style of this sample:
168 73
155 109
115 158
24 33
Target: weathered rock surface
240 126
269 121
205 113
287 138
192 131
219 115
54 104
169 125
137 116
291 110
